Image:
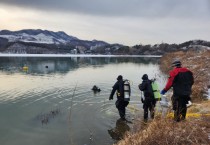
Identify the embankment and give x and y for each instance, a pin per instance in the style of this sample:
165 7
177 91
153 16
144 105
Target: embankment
194 130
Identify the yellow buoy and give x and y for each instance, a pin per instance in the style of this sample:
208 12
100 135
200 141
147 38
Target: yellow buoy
25 68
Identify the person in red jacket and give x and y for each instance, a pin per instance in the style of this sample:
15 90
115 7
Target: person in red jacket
181 79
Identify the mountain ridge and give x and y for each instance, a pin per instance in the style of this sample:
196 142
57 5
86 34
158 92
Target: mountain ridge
20 35
45 41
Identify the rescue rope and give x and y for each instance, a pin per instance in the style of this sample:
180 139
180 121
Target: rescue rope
196 115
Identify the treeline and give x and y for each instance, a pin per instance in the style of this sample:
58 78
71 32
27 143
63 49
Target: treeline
157 49
98 47
34 48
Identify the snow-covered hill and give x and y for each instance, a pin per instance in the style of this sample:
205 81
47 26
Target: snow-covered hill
30 41
37 36
44 41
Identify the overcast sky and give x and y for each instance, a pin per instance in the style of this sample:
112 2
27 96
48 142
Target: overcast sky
127 22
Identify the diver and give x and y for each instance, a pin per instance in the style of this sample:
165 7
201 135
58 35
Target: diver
148 100
121 103
96 89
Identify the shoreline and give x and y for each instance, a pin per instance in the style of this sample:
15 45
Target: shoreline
74 55
194 130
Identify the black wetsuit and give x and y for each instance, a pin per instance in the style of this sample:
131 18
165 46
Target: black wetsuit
149 102
120 103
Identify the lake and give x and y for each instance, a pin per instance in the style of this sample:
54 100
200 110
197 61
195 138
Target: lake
49 101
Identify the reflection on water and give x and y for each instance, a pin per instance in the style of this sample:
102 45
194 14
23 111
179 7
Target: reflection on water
119 130
45 118
63 65
52 102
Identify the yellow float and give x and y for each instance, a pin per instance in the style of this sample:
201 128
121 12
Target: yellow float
25 68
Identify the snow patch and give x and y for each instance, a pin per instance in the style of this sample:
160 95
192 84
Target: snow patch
184 48
208 94
199 47
40 38
10 38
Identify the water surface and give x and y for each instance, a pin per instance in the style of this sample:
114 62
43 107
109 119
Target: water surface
52 103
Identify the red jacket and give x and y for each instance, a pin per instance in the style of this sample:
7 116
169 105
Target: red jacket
173 74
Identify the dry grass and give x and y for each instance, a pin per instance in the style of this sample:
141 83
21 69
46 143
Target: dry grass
202 108
198 63
193 131
163 131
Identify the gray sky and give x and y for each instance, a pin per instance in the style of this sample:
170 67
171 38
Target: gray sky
128 22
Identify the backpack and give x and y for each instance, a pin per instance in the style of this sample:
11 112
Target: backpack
146 87
156 90
182 84
127 90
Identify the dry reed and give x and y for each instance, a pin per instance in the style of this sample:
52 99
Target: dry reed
164 131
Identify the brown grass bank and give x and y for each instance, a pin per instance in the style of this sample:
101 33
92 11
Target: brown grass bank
163 131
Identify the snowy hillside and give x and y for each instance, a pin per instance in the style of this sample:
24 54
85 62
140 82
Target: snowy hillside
37 36
30 41
39 41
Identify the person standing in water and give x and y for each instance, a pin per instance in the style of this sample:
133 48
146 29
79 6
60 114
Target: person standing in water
121 104
149 99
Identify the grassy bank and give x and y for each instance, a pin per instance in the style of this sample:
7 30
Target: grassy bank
164 131
194 130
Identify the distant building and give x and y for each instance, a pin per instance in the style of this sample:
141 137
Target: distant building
81 49
88 52
74 51
96 46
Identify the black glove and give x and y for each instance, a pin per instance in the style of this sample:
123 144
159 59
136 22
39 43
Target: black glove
142 100
110 97
139 86
188 98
